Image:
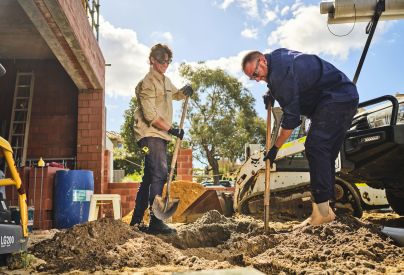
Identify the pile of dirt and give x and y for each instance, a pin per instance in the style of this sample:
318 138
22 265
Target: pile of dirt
186 191
112 245
346 245
84 246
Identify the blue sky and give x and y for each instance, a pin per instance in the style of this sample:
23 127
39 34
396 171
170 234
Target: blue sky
221 31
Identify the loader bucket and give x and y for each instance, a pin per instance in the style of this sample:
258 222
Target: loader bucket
209 200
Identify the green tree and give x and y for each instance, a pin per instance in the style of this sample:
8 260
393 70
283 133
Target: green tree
222 116
131 153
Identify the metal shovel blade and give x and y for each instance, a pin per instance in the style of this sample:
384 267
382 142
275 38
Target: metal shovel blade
164 209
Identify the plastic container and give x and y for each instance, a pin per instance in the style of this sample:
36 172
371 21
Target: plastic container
72 194
395 233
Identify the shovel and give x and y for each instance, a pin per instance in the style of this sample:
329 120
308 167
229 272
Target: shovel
267 167
163 208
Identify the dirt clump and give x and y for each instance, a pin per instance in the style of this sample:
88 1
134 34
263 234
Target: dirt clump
84 246
210 230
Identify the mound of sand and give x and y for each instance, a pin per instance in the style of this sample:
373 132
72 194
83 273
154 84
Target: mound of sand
214 241
186 191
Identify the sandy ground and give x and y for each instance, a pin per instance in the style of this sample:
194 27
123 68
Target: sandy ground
345 246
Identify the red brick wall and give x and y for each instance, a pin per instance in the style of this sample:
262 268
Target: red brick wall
54 108
39 185
78 21
128 191
91 135
184 164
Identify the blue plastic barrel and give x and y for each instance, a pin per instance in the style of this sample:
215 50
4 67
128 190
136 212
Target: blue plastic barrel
72 194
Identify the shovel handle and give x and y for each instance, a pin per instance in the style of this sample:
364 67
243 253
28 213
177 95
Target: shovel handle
176 148
267 169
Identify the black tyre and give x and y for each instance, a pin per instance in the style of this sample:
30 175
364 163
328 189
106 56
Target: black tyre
396 200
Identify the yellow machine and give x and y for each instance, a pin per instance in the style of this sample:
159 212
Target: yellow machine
7 152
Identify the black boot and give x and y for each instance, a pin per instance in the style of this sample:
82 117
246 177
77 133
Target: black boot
137 222
157 226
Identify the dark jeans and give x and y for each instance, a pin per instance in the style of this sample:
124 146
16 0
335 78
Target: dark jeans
329 124
155 175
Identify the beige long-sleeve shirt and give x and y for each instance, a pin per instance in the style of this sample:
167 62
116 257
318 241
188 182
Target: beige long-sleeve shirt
154 95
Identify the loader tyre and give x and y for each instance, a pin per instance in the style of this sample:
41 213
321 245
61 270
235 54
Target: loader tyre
395 198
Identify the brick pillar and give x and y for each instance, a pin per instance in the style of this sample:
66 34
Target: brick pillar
184 164
91 135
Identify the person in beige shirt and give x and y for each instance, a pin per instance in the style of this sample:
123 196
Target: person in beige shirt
153 130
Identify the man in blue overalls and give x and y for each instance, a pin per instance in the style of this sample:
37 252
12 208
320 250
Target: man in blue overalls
304 84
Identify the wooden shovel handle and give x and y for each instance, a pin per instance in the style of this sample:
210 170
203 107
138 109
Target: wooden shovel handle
177 146
267 169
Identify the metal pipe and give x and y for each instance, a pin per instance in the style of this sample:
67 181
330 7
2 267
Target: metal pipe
349 11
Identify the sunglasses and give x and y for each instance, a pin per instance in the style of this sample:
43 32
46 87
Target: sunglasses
161 61
255 73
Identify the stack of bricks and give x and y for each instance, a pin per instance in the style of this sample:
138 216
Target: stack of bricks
40 195
184 164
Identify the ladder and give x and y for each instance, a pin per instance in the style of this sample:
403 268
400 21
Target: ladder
20 116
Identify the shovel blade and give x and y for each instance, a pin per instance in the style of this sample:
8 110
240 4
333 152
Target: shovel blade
164 209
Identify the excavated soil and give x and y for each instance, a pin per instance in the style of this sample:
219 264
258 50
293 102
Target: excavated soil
345 246
186 191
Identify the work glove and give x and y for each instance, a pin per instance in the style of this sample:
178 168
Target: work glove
187 90
271 155
176 132
268 99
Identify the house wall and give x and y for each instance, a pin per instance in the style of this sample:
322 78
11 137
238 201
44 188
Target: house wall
53 126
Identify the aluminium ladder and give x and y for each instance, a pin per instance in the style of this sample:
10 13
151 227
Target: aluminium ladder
21 115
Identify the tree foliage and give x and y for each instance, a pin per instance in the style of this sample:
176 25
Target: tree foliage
131 153
222 116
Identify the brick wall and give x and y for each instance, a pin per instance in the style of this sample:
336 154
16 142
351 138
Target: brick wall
128 191
91 135
53 126
184 164
39 186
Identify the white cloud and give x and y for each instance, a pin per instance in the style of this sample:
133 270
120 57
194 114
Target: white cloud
269 16
307 31
226 3
250 6
285 10
250 33
296 5
161 37
128 58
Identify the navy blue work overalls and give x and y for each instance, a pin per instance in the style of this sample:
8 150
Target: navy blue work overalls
305 84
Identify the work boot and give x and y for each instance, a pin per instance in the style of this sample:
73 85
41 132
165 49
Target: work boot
138 223
322 213
157 226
